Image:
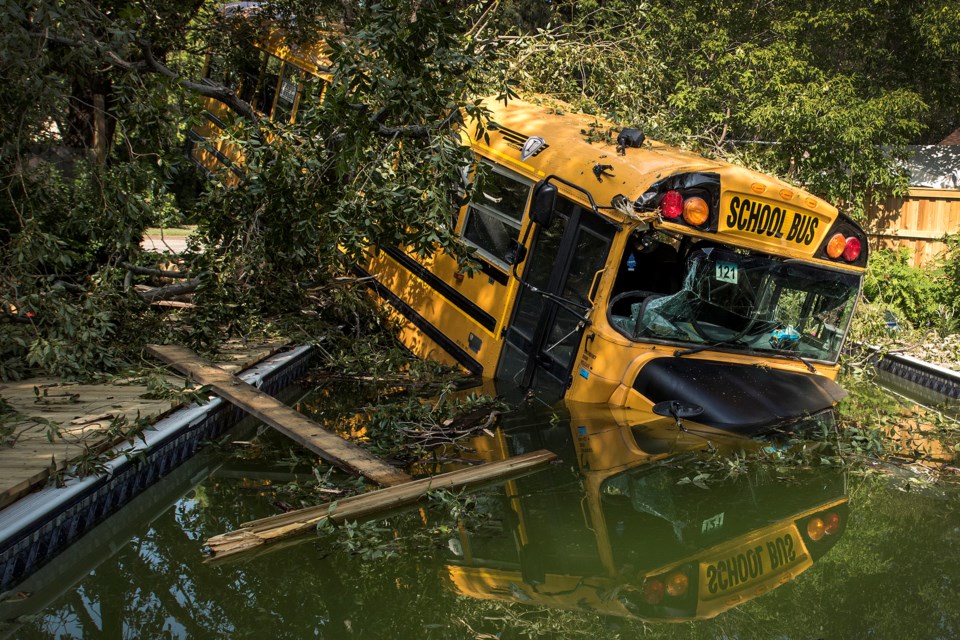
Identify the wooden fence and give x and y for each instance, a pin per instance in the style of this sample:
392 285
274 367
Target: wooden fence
918 222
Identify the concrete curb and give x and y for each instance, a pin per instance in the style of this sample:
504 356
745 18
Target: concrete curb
37 527
933 377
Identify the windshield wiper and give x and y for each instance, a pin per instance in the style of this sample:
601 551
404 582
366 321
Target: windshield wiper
733 340
679 353
799 358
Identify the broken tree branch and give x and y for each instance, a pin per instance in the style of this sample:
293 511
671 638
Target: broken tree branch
207 90
403 131
159 273
170 291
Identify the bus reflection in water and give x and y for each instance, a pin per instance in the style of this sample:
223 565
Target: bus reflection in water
634 535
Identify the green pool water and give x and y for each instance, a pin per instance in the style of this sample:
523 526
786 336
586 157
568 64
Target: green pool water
590 547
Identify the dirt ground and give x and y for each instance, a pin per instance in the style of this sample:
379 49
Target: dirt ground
165 243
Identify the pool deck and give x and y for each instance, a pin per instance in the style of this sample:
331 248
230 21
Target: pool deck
67 461
65 422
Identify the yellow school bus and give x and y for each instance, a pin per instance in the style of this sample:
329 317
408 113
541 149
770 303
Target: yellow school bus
619 270
627 537
277 78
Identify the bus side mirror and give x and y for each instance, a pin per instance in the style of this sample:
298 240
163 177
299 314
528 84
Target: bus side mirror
544 199
517 253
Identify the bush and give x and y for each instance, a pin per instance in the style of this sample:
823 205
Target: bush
950 275
913 294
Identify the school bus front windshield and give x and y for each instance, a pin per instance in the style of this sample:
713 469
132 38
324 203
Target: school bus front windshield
742 300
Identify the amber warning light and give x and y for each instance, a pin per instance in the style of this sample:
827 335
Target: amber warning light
840 246
695 211
827 525
674 584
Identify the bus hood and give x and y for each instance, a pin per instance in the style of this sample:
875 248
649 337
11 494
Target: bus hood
737 397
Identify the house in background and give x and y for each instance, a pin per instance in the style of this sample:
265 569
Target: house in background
930 210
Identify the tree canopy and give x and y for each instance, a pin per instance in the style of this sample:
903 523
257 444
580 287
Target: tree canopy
99 95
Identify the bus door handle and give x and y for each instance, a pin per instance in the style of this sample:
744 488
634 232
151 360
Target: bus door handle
594 285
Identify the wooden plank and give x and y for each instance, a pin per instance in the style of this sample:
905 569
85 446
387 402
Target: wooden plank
21 486
329 446
911 234
255 535
942 216
923 192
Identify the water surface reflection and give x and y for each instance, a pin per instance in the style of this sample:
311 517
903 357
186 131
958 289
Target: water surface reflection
637 528
639 523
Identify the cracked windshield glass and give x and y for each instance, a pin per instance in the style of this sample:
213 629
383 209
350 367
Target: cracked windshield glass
747 301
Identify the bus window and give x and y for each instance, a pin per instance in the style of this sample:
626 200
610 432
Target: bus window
650 264
219 72
310 94
492 222
746 300
248 63
269 80
287 98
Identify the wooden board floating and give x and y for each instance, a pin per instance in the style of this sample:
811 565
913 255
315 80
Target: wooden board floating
252 536
265 407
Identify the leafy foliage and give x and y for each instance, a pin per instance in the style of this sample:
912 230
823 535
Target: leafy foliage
927 297
823 95
950 268
86 168
377 164
910 292
782 86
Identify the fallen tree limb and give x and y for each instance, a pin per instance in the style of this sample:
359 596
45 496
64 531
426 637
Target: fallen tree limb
149 64
258 533
170 291
147 271
69 286
215 91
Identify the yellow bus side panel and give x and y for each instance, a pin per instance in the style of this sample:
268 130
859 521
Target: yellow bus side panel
214 146
419 343
478 341
484 291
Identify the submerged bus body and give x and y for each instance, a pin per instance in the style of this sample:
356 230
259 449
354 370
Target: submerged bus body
611 269
631 273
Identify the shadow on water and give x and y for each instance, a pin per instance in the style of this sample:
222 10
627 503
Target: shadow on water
639 522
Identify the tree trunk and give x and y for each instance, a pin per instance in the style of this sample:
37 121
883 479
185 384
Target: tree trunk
101 138
91 125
